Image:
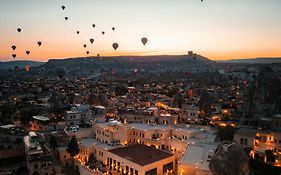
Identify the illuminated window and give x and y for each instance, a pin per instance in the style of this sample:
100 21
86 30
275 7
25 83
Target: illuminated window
168 167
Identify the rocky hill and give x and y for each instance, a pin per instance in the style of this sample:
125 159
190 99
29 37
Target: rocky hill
254 61
88 63
20 64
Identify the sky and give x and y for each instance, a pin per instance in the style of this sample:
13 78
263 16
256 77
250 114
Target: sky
217 29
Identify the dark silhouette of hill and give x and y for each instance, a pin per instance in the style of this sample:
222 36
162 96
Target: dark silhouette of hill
254 61
123 61
20 64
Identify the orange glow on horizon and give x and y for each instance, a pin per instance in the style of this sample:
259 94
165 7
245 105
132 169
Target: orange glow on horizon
241 32
42 54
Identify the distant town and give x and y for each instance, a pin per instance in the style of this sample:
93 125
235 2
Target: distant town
149 115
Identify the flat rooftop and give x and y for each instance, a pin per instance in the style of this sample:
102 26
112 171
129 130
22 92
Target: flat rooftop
197 155
88 142
41 118
8 126
141 154
145 127
99 107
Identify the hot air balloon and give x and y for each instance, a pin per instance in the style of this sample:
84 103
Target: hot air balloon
92 40
87 52
39 43
27 52
63 7
27 67
84 45
14 47
94 25
14 55
113 28
144 40
66 18
78 32
115 46
103 32
19 30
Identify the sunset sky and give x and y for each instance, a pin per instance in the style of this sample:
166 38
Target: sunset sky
217 29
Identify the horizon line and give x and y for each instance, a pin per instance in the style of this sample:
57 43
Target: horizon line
219 60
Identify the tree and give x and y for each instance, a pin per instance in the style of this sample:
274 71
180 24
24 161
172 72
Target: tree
73 148
205 102
270 157
53 142
26 114
226 133
120 90
7 111
172 92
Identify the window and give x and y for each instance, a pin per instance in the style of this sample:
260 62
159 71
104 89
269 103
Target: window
168 166
263 138
241 141
127 170
114 164
107 161
118 165
136 172
151 172
209 158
